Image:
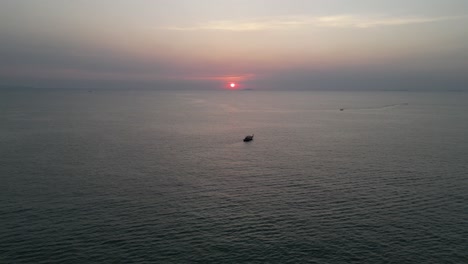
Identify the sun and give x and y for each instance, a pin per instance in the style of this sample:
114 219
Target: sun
232 85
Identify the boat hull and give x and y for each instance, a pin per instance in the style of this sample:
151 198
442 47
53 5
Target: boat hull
248 138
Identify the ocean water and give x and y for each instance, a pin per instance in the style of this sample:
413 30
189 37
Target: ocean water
122 176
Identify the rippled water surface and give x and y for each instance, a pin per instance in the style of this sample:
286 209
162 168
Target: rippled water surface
164 177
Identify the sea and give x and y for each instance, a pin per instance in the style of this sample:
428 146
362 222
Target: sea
145 176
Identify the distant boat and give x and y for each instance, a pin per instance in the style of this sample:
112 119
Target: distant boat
248 138
341 109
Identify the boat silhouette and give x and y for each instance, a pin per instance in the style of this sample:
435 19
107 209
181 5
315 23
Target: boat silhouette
248 138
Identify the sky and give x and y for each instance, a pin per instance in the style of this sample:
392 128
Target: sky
258 44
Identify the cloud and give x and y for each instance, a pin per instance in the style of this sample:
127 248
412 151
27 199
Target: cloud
348 21
246 25
335 21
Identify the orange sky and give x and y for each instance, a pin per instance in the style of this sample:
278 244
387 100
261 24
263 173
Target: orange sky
243 41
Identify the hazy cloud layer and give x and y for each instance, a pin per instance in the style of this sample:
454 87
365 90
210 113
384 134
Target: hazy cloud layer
333 21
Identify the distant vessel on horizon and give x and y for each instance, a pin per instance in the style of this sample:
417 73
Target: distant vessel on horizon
248 138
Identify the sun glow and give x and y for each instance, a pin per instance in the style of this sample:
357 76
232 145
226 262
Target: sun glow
232 85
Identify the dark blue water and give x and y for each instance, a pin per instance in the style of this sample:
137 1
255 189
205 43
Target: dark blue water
164 177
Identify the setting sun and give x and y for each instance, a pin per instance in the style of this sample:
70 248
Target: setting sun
232 85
